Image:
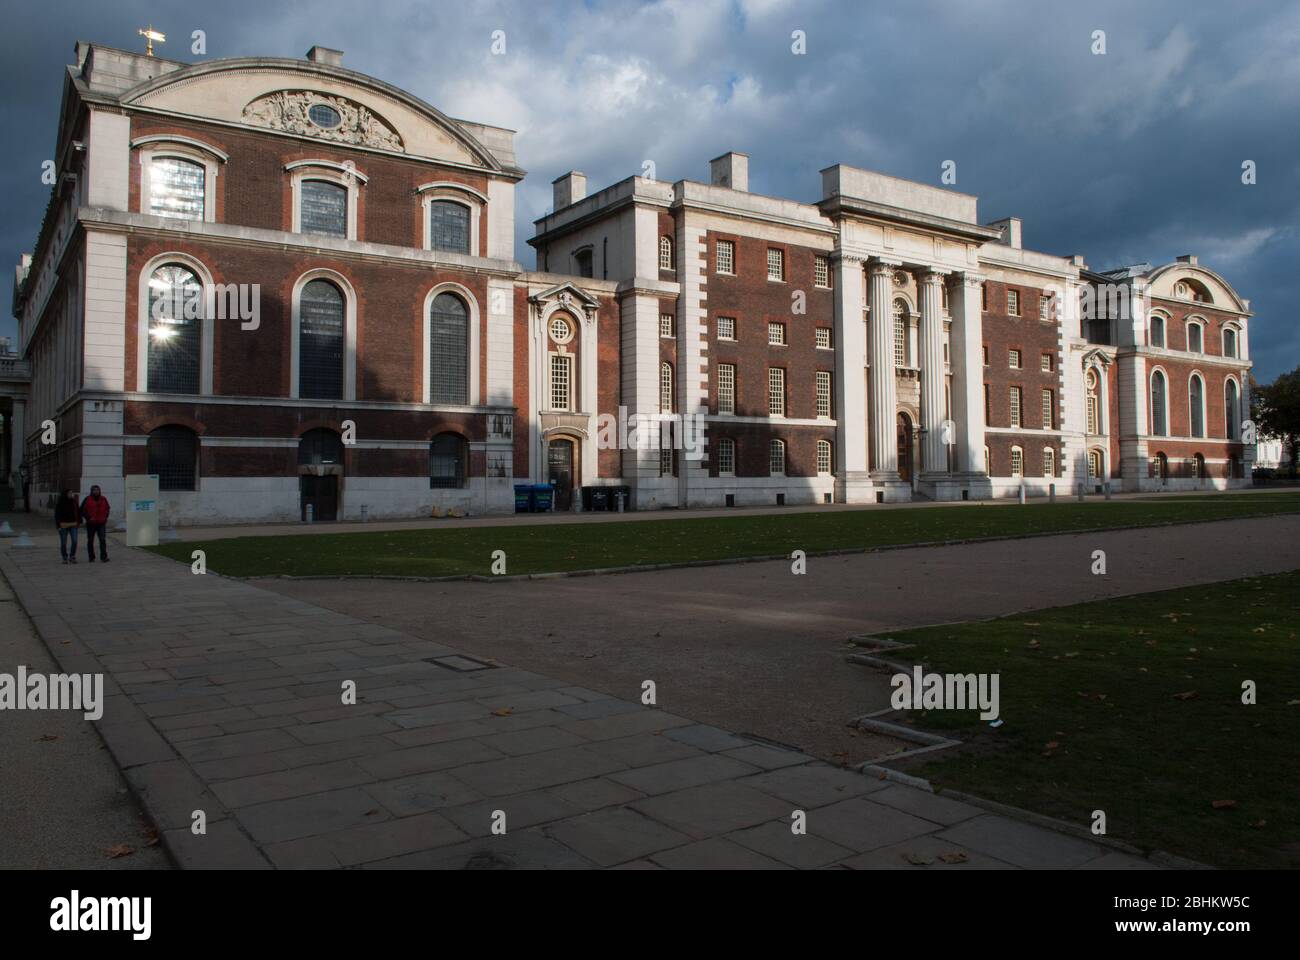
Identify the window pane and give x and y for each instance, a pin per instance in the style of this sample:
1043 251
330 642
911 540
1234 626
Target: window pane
1198 412
172 452
176 189
726 388
320 446
775 392
726 455
560 396
776 457
448 350
449 226
447 461
323 208
175 327
320 341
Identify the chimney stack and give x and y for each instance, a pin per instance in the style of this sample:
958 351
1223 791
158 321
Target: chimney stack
730 170
1010 227
569 189
1188 258
331 58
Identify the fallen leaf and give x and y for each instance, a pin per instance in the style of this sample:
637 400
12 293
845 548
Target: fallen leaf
46 737
1259 823
955 856
502 712
120 850
917 859
1051 745
1223 804
1188 695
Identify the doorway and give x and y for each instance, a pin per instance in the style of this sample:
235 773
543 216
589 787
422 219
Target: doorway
559 472
905 447
321 493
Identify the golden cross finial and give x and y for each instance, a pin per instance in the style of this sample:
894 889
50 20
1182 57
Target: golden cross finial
150 35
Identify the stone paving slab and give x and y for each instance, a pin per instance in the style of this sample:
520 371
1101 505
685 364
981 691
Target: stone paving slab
227 698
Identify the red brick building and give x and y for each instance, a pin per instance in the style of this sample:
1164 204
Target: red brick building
290 289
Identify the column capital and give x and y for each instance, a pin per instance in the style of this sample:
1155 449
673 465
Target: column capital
931 274
968 277
840 256
881 265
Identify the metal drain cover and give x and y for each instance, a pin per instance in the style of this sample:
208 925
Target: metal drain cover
460 663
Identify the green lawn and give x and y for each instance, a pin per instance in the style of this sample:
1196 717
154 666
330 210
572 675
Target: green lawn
1134 706
434 552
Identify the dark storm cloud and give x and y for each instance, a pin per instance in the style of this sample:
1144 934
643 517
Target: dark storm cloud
1134 155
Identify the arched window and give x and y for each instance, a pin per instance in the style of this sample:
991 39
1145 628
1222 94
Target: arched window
824 458
176 307
1196 402
320 446
449 226
173 453
1049 462
1198 466
1159 405
665 388
900 333
1093 404
1229 342
1017 462
1195 338
776 458
1231 409
323 208
177 188
1160 467
320 341
448 349
447 461
726 457
1094 464
666 253
1157 336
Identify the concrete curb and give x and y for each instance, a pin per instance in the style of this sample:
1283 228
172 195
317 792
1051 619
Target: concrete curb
160 781
729 561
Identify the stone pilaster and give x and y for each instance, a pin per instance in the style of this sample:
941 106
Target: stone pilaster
935 452
966 355
884 398
852 481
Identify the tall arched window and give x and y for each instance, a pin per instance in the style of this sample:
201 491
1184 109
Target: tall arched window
448 349
1049 462
1094 464
176 306
665 388
1229 342
1198 466
1093 403
1231 409
320 341
1196 401
665 253
900 333
1195 338
1017 462
776 458
824 458
1157 337
447 461
449 226
173 455
320 446
1161 466
1159 405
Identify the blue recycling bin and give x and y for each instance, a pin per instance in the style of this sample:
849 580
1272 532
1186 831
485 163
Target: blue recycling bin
543 497
523 498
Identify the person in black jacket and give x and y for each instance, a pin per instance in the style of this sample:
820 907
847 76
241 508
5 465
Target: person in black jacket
67 517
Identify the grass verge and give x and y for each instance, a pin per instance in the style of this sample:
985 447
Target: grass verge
1133 706
459 551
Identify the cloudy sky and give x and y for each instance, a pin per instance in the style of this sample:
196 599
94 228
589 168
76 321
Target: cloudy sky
1123 157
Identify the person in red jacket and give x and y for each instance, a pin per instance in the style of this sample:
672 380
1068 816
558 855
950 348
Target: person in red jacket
95 509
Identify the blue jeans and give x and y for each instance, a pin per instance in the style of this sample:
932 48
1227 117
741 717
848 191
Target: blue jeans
66 534
94 530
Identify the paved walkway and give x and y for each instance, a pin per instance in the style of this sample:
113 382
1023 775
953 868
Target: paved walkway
752 647
225 698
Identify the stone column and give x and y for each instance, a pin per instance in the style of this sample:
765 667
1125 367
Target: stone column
851 479
935 452
17 449
884 392
967 358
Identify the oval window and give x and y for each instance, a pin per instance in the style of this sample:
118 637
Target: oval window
323 115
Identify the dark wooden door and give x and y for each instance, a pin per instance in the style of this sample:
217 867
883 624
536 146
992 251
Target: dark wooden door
322 493
559 471
904 447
